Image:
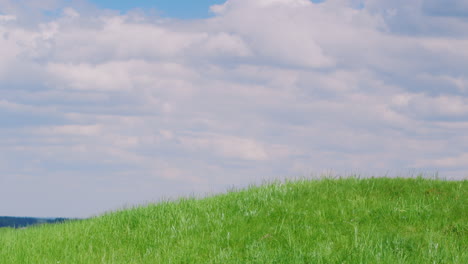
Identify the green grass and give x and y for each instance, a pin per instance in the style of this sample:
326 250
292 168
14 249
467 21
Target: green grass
377 220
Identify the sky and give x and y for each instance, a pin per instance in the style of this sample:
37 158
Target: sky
106 105
182 9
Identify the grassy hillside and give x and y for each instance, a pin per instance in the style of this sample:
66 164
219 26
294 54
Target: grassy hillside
324 221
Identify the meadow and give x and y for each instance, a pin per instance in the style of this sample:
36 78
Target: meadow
347 220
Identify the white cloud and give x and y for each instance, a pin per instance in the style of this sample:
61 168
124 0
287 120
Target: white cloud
419 105
80 130
448 46
451 163
447 81
267 26
457 161
89 77
7 18
227 146
259 4
71 13
112 38
224 44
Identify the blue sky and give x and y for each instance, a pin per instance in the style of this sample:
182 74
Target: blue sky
102 109
173 8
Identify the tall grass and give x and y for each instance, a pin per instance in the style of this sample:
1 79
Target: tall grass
377 220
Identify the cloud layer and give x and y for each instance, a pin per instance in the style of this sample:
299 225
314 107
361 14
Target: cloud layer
100 109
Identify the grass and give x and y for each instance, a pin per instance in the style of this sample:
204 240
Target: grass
378 220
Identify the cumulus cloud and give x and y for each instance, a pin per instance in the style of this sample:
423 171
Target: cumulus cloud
135 107
227 146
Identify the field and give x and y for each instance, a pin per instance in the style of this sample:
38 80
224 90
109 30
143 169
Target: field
350 220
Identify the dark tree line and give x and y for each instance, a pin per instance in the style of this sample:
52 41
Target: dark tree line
19 222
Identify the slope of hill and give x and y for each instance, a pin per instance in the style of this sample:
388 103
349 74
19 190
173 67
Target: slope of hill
351 220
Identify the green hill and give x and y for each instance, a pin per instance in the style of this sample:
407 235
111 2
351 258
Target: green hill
377 220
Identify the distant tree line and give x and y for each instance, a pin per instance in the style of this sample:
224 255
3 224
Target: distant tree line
19 222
